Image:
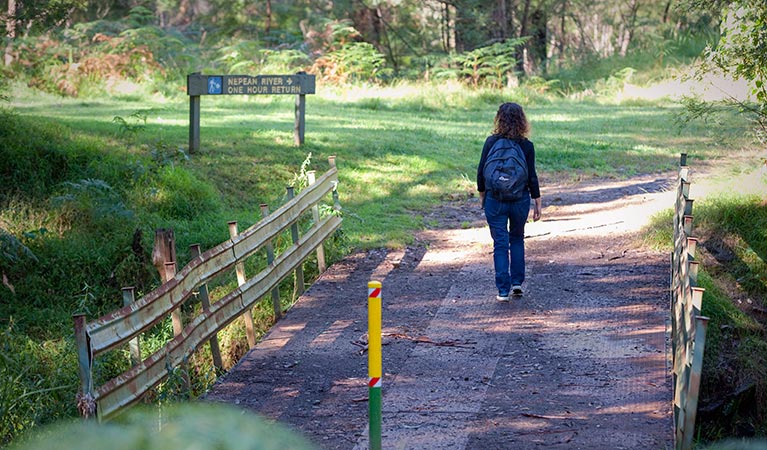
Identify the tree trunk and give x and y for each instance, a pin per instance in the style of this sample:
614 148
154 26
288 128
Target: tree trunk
522 50
523 22
538 42
445 18
10 32
385 40
562 33
183 13
268 26
501 19
630 22
666 11
512 13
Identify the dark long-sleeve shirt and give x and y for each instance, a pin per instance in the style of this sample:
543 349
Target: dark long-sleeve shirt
527 148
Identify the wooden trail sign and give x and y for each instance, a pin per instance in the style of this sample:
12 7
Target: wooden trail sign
197 85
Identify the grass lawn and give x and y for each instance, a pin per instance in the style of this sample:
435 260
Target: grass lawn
398 156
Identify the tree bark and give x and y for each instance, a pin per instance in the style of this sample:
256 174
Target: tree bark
512 13
501 18
268 26
446 27
522 50
183 13
562 32
10 32
666 11
538 42
630 26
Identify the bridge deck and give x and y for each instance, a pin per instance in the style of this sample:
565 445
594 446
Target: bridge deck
579 362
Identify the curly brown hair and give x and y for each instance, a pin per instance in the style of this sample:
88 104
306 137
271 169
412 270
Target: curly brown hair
511 122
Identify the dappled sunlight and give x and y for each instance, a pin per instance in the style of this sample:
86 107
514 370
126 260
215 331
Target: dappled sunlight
713 86
751 181
605 207
333 332
556 117
276 341
285 392
399 91
424 190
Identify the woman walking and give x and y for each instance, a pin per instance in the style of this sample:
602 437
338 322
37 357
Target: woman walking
506 181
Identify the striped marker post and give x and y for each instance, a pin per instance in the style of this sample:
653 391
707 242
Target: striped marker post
374 363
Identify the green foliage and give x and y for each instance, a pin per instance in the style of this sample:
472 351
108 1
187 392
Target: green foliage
135 123
742 53
739 444
11 249
41 15
653 57
175 193
251 57
32 163
92 203
36 382
356 61
490 64
179 426
742 49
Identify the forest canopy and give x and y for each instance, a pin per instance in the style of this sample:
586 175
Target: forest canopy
61 44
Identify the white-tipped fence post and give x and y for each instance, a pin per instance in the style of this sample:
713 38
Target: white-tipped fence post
250 331
276 305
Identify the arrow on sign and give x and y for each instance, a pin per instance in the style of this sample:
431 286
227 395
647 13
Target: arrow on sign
290 81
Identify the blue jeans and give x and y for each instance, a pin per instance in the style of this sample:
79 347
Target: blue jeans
507 227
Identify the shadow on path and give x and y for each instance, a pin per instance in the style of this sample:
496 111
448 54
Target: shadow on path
579 362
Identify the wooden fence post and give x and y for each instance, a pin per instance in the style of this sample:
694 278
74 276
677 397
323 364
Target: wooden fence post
276 305
336 202
299 128
133 344
688 326
115 330
298 288
164 249
86 403
178 321
311 175
250 331
215 349
194 119
691 408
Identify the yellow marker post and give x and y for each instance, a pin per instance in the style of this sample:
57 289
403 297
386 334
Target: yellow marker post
374 364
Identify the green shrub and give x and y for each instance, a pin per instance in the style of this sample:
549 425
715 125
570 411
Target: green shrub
31 162
37 382
175 426
176 193
93 203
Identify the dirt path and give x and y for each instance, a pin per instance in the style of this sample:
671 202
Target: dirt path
579 362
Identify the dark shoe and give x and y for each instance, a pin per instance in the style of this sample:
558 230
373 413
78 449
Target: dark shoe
516 291
502 297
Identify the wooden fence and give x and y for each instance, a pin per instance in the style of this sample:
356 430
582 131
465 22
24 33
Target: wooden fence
688 326
123 327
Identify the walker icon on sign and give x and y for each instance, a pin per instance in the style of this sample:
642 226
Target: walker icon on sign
215 85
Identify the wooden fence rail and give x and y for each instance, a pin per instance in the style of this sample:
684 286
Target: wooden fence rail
688 326
137 316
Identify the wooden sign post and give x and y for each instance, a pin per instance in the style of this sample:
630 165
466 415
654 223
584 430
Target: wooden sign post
197 85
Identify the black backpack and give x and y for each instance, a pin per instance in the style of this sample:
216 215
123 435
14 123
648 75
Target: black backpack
506 171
